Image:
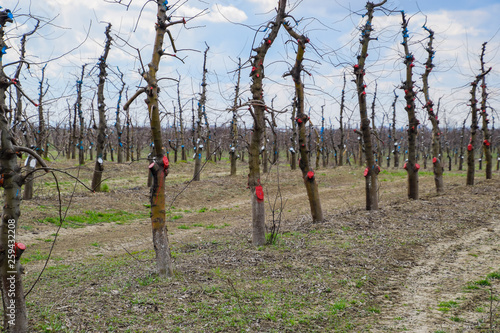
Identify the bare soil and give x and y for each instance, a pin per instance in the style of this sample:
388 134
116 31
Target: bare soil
411 266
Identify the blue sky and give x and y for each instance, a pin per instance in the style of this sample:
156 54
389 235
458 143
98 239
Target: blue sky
229 27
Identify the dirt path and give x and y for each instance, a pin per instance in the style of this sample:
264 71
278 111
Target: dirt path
441 275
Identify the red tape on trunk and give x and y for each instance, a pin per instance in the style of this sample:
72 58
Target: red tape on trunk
259 192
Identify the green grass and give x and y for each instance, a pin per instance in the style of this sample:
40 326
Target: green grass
186 227
26 258
90 217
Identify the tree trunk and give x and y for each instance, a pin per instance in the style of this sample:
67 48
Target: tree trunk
118 126
14 305
101 135
181 122
308 174
41 137
78 107
234 123
484 116
340 159
372 169
201 112
411 166
473 128
158 169
433 117
258 105
293 138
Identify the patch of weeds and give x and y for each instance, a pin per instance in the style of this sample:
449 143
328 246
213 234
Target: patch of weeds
104 188
187 211
493 276
202 210
456 319
272 239
26 227
484 282
185 227
360 283
50 322
96 244
340 305
147 205
446 306
477 284
471 286
90 217
147 280
197 225
212 226
343 282
479 309
176 217
374 309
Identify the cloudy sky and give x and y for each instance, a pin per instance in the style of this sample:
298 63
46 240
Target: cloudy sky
72 34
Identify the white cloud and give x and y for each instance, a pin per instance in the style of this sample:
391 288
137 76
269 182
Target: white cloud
217 14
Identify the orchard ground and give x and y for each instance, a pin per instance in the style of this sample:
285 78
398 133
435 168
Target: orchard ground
431 265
